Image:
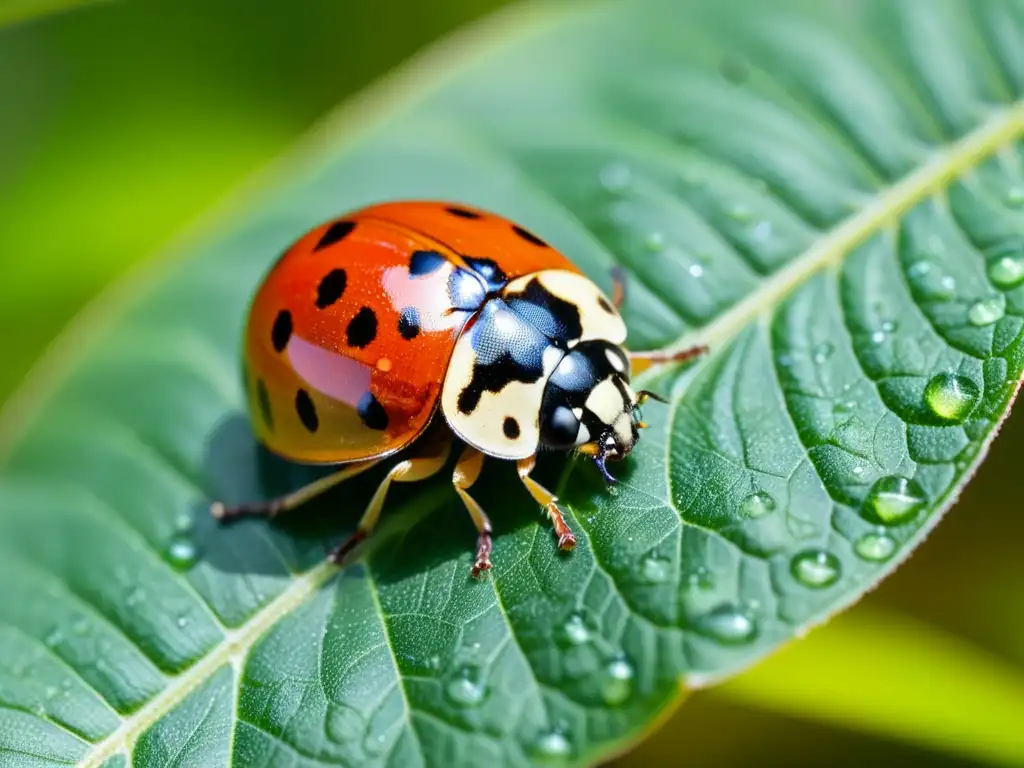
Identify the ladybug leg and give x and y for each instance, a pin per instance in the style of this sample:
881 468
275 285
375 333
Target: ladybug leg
618 286
548 500
273 507
467 470
411 470
641 361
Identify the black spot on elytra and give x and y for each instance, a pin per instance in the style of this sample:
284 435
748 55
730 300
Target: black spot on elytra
424 262
339 230
362 329
556 318
462 213
511 428
409 323
263 398
281 333
605 305
372 412
528 236
306 410
331 288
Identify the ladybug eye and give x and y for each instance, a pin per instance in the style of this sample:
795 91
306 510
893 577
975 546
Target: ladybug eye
561 428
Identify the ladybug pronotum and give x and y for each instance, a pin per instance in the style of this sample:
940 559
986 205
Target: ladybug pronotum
407 325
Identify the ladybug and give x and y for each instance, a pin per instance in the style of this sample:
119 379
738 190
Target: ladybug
406 325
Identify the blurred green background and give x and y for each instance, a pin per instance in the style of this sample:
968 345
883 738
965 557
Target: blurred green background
121 122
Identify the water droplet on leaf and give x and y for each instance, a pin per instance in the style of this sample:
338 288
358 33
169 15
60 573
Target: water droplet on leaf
696 270
655 569
1014 197
727 624
740 212
1006 270
617 682
466 687
823 352
757 504
616 177
893 500
700 578
344 724
987 311
951 396
816 568
182 553
553 746
875 547
762 230
575 631
655 241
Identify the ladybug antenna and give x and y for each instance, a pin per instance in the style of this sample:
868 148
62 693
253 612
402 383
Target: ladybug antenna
599 460
644 394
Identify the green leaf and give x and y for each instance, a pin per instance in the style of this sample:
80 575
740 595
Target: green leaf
830 195
884 673
13 11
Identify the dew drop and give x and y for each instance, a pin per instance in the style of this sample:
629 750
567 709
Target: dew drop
615 177
875 547
762 230
740 212
1014 197
182 622
1006 271
947 286
466 687
696 270
987 311
655 570
951 396
823 352
757 504
655 242
617 682
183 523
135 597
50 691
919 268
80 627
182 553
575 631
888 326
893 500
344 724
877 337
552 746
727 624
700 578
816 568
54 638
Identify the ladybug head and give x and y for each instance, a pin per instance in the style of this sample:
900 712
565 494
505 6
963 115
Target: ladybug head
589 406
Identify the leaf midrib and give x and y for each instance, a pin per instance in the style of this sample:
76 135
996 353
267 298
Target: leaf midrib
1001 128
